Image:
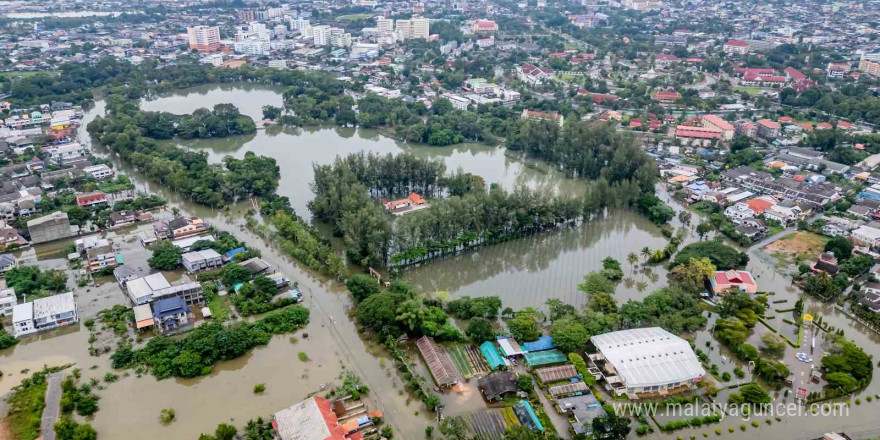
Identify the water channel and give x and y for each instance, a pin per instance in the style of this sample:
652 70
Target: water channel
523 273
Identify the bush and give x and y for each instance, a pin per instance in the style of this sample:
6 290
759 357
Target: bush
166 416
259 388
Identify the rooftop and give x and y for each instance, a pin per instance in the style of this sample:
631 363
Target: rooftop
649 356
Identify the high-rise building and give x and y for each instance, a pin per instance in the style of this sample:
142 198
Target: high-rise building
415 27
299 24
870 64
321 35
384 25
204 38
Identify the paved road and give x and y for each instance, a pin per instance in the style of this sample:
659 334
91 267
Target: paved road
52 410
772 238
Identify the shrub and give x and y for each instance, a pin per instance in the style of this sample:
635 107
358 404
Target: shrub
259 388
166 416
303 357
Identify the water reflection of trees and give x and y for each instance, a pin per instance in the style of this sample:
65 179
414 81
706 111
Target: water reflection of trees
536 254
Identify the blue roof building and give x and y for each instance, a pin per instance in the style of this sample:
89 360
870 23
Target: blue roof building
170 313
229 255
493 357
543 343
526 416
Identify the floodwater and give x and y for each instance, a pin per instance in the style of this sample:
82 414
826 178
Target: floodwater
524 272
296 149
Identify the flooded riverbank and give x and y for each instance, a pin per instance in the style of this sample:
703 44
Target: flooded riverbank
523 273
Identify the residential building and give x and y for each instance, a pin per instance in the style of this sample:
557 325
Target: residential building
543 116
869 297
122 218
8 300
768 129
870 64
582 407
201 260
153 287
313 419
415 27
736 47
100 171
203 38
103 256
532 75
495 386
91 199
727 280
44 314
827 263
170 313
66 154
180 227
666 97
321 35
484 27
7 262
412 203
646 362
726 128
837 70
143 317
866 236
54 226
384 24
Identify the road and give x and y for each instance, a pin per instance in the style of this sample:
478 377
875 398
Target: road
772 238
52 409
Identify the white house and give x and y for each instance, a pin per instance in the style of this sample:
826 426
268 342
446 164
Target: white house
7 301
201 260
44 314
100 171
867 235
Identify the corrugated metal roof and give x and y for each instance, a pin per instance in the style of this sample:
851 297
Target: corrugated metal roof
438 362
646 357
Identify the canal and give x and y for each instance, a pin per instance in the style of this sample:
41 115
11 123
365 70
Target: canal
522 273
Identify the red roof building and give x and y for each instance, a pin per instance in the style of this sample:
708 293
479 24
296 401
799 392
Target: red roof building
794 74
727 280
666 96
824 126
91 199
531 114
314 419
843 125
759 204
784 119
692 132
484 26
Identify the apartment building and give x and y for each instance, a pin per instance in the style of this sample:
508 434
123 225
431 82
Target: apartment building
204 38
44 314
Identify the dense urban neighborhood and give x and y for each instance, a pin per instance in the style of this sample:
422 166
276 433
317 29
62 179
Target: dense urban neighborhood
474 219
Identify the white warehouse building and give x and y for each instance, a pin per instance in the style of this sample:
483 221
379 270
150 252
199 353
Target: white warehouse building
646 362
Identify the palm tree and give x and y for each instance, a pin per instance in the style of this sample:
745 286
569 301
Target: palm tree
632 258
646 252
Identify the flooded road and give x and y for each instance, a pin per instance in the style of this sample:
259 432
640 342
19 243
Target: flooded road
523 273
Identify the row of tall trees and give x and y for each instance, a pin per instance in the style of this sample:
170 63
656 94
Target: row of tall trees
583 150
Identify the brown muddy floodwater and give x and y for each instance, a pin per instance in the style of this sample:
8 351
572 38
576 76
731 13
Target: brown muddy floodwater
524 272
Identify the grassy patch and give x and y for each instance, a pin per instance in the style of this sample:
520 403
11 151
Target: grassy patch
750 90
219 306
